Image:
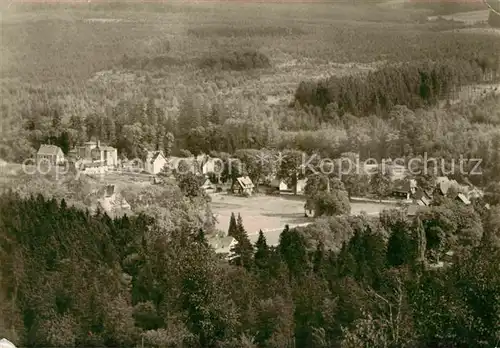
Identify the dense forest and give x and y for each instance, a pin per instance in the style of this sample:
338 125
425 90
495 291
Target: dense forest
468 130
414 84
71 278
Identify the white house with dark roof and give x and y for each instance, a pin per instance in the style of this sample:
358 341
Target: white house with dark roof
155 162
279 185
50 154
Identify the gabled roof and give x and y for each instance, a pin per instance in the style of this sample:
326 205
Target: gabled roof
49 150
154 155
423 201
108 148
245 182
206 183
221 244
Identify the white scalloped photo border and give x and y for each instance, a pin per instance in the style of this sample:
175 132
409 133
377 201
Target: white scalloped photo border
491 8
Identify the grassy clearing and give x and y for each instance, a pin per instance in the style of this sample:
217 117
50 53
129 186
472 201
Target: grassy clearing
271 212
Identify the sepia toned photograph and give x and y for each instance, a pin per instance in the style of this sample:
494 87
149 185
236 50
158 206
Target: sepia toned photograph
250 173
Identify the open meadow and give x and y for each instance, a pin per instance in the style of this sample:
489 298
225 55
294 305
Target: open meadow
272 213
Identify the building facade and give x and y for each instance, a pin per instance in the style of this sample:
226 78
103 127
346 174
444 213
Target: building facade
93 151
50 155
155 162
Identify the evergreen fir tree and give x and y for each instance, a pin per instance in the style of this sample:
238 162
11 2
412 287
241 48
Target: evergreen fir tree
399 246
200 237
242 252
262 251
346 263
420 239
374 259
293 250
319 258
63 142
232 231
240 229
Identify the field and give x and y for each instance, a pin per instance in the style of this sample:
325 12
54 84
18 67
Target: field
271 213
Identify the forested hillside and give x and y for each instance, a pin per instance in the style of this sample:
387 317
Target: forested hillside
74 279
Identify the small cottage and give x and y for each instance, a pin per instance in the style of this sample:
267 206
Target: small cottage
279 185
49 155
206 164
404 188
243 186
155 162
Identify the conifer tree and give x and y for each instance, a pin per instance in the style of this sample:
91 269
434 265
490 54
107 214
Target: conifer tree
400 247
318 258
346 263
200 237
242 252
421 239
293 250
262 251
240 229
232 231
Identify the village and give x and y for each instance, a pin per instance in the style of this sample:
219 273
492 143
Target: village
268 205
